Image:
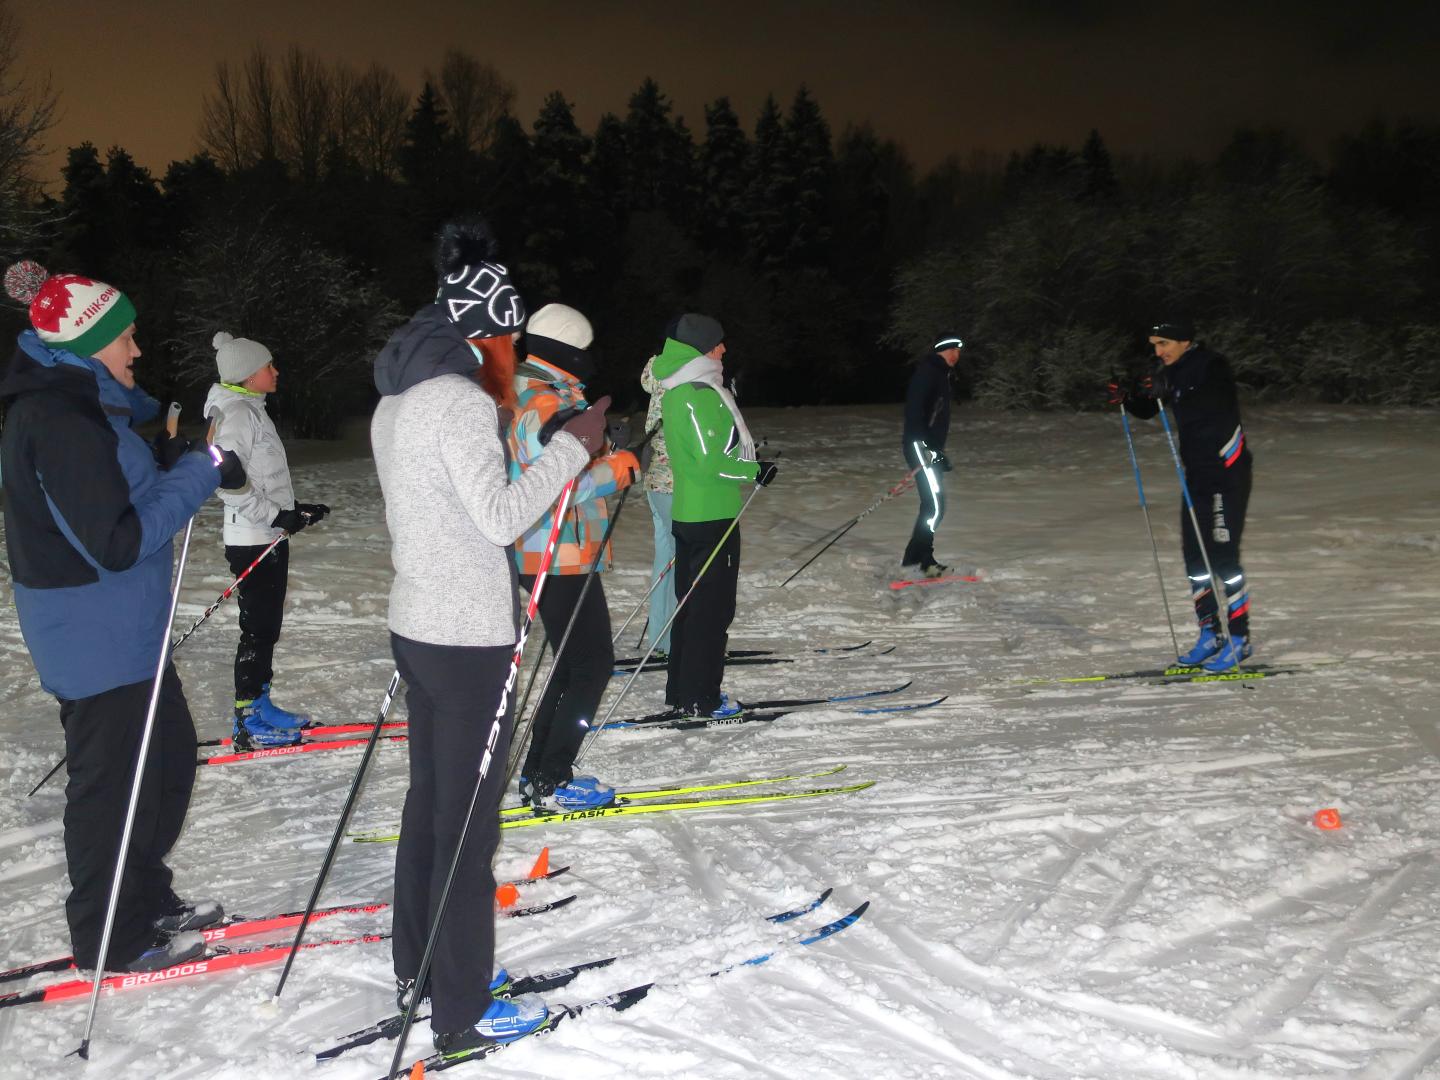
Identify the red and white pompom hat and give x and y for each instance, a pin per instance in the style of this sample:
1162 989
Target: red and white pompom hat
69 311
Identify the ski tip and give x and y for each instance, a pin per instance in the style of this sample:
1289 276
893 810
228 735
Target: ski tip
542 865
825 895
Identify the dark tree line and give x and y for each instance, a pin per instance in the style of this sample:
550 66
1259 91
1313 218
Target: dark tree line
306 218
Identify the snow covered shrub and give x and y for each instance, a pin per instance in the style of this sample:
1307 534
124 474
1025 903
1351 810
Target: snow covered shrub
1415 376
322 321
1339 360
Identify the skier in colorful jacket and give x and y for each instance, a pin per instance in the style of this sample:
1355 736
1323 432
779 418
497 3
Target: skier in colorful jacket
90 516
1199 388
550 387
712 458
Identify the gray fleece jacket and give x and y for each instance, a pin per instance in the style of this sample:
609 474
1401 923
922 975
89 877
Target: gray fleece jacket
450 508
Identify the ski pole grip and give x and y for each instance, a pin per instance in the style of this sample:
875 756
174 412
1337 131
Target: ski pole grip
172 420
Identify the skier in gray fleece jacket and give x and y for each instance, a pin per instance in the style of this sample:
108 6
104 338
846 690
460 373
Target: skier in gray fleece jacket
452 512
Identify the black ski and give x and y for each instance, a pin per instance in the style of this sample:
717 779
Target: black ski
677 719
544 982
624 999
741 657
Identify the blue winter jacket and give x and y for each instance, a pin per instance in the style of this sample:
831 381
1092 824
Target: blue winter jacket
89 519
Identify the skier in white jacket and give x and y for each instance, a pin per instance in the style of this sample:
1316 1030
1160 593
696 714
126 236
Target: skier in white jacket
255 515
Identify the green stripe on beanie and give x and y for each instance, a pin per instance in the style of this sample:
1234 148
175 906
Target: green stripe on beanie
109 326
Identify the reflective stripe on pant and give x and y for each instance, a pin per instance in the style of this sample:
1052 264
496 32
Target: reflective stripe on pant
931 488
1220 505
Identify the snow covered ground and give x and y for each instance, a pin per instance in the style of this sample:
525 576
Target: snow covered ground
1117 880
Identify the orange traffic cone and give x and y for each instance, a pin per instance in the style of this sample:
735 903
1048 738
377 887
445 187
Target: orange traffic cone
506 895
542 865
417 1072
1329 818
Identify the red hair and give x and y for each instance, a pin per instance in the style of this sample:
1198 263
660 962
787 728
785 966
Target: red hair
496 374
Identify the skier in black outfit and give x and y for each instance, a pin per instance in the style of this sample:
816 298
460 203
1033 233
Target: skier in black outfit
927 424
1199 388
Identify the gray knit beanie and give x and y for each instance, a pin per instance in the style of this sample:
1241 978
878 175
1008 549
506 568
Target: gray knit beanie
238 358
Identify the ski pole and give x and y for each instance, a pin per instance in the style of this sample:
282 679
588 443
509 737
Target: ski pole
329 860
1222 603
228 590
1145 508
83 1050
517 741
636 609
491 740
595 734
534 671
896 490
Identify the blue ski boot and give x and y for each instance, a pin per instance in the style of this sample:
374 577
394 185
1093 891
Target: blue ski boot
582 793
1206 646
1228 656
727 708
276 717
251 732
506 1020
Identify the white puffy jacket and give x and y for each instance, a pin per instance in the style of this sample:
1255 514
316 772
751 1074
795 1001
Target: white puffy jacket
242 425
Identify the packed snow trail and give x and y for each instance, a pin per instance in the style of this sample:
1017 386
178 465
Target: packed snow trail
1120 881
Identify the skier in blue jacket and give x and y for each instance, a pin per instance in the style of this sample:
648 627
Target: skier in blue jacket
90 513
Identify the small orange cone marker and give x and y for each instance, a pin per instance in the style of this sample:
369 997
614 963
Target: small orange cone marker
1329 818
417 1072
542 865
506 895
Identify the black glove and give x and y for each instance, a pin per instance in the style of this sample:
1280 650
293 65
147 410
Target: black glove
232 473
589 426
299 516
312 512
937 457
1116 392
767 472
618 432
168 449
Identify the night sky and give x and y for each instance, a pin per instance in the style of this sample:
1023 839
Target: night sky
939 78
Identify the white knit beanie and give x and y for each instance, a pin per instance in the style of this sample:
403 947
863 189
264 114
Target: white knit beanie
561 323
238 358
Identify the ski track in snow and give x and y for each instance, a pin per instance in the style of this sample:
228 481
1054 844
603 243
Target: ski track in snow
1117 881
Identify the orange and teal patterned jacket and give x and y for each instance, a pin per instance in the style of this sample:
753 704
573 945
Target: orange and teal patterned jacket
542 390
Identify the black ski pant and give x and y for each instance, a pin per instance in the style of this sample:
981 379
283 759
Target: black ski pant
453 693
930 485
565 712
699 635
102 743
262 610
1221 499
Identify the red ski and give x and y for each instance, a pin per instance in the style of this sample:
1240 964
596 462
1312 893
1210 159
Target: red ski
232 926
298 748
906 583
318 729
221 958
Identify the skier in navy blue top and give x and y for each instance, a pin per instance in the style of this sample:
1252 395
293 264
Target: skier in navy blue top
90 513
1199 389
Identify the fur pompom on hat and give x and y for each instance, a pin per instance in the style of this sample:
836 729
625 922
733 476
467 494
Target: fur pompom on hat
475 291
238 358
69 311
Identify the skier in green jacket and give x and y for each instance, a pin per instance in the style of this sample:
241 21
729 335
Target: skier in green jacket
712 457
